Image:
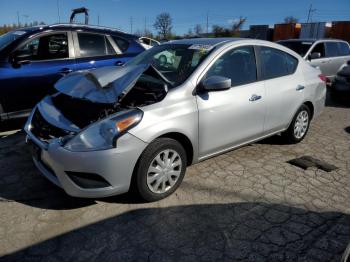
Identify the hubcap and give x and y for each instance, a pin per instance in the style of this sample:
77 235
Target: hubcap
164 171
301 124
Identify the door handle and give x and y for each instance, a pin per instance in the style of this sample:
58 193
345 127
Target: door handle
119 63
254 98
65 71
300 87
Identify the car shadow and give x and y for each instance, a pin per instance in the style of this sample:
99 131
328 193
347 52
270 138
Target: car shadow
12 125
341 102
347 129
273 140
209 232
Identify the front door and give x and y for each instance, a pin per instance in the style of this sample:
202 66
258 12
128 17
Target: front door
40 63
234 116
323 62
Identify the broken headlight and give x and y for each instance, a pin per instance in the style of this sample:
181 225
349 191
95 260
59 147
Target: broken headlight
104 134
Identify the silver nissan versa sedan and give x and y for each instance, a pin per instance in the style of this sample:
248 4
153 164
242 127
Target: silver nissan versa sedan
140 125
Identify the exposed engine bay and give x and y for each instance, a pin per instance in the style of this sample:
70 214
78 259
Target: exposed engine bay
148 89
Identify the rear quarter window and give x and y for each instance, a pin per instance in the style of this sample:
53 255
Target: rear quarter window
123 44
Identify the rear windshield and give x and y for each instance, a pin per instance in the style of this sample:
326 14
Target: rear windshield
299 47
9 37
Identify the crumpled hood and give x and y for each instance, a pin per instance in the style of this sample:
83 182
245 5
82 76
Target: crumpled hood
102 85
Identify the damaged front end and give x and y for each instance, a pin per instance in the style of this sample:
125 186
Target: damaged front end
110 96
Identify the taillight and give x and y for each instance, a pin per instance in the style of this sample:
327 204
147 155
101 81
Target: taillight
323 77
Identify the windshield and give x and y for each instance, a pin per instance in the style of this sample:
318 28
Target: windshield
7 38
175 62
299 47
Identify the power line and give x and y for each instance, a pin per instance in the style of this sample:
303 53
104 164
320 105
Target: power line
58 11
309 15
207 22
131 22
18 19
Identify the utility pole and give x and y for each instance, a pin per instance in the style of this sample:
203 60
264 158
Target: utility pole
26 19
207 23
18 19
58 11
98 19
131 24
309 15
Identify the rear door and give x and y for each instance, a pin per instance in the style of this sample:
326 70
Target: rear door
93 50
344 51
284 85
43 60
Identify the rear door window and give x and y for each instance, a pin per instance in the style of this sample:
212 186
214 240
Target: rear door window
344 49
332 49
276 63
93 45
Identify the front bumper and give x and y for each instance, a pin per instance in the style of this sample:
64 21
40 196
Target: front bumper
114 165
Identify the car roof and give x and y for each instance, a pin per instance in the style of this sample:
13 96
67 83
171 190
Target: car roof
312 40
205 41
83 27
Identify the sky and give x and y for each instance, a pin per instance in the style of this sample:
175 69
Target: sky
185 13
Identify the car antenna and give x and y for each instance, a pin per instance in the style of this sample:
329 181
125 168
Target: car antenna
80 11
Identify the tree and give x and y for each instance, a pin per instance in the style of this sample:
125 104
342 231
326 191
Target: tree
220 31
189 33
237 25
198 29
163 24
291 20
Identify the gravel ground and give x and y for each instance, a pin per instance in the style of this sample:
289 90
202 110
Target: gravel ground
248 204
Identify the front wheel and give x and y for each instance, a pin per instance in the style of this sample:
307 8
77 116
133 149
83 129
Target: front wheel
299 125
160 169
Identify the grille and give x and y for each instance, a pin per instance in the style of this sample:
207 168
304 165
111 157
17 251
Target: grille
43 129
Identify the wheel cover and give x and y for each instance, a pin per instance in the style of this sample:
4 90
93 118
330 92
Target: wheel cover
164 171
301 124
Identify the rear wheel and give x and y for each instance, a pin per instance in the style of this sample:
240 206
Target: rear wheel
160 169
299 126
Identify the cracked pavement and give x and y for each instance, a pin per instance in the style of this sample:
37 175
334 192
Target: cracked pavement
248 204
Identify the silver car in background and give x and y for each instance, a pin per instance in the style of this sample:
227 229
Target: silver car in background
330 55
140 125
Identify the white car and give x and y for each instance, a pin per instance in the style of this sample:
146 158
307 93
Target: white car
148 43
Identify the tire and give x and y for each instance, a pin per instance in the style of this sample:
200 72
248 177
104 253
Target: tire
294 134
154 168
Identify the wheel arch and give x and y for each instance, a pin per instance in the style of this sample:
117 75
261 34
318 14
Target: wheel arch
184 141
310 105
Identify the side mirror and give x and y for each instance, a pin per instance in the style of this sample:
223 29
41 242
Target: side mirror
314 55
215 83
17 61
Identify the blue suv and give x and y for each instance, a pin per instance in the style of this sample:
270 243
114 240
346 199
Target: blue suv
33 59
